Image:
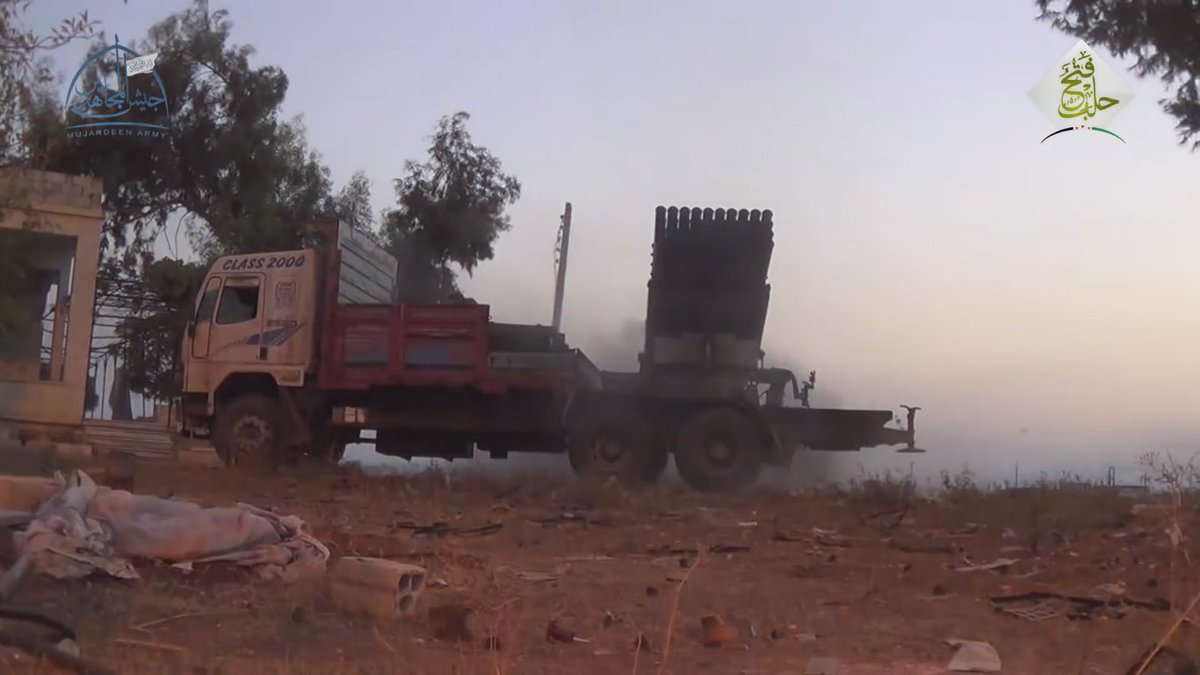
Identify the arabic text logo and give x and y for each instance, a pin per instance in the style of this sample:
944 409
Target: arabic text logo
116 92
1082 92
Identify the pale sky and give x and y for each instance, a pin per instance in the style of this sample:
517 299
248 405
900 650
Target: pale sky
928 249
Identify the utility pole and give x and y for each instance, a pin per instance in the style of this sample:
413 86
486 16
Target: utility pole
560 263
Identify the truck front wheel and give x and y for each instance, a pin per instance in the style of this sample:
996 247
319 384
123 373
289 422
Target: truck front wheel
249 432
615 442
719 450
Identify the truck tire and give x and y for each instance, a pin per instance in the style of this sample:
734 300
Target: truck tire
615 442
719 450
249 432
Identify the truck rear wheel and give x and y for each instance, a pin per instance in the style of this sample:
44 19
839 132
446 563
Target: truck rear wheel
249 432
719 450
616 442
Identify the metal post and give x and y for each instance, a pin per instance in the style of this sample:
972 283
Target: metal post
560 283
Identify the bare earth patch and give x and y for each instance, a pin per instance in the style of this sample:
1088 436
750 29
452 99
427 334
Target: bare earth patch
867 577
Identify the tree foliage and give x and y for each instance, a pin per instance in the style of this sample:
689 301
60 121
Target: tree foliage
1163 37
246 176
241 178
22 69
352 204
150 337
451 209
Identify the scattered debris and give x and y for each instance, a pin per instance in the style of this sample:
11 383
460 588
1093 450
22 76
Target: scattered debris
822 665
999 564
556 632
442 529
1040 606
973 657
830 538
610 619
588 558
717 632
1166 661
728 548
927 546
537 577
381 589
452 622
968 530
573 517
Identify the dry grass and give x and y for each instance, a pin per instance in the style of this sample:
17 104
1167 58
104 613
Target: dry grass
219 621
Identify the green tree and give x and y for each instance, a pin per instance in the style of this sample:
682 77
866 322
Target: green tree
240 176
245 177
451 209
1163 37
352 204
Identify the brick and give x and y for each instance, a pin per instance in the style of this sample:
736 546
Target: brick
382 589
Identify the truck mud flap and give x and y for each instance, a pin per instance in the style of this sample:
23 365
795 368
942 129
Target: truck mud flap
834 429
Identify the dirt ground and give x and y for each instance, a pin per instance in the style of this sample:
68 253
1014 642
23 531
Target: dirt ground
850 575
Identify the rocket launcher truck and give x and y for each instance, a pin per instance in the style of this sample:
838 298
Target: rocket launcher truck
308 351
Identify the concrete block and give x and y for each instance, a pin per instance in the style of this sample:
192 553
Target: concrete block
25 493
382 589
77 451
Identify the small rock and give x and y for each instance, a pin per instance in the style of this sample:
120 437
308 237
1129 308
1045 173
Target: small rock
556 632
939 590
651 592
717 632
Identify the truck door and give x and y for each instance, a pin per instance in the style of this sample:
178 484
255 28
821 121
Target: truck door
236 330
202 323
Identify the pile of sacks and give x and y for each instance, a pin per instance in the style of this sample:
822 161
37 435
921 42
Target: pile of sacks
79 528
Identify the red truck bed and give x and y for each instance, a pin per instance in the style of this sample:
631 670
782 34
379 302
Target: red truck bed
387 346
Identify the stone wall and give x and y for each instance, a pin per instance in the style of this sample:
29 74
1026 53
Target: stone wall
33 188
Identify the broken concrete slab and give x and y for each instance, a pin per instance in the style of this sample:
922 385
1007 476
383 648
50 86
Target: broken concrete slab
382 589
